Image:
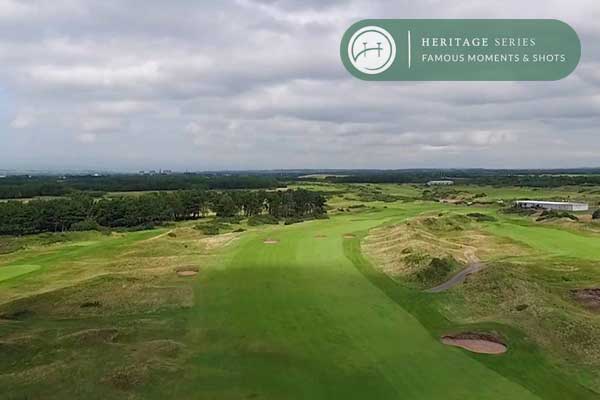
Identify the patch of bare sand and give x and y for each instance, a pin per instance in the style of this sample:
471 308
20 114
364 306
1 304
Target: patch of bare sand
589 298
271 241
349 236
483 343
218 241
158 236
188 270
187 273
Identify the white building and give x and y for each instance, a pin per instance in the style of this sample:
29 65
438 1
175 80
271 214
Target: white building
436 183
553 205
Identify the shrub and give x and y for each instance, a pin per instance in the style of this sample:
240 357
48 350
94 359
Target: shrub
357 206
236 219
293 220
265 219
209 229
143 227
437 271
518 210
549 214
596 214
86 225
9 245
481 217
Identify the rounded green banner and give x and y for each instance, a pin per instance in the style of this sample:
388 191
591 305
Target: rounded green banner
460 49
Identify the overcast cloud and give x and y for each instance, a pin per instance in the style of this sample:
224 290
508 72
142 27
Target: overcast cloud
253 84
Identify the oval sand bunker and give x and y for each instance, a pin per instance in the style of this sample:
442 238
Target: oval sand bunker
476 342
271 241
187 271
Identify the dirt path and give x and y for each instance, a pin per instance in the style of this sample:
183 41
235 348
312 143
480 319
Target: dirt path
473 267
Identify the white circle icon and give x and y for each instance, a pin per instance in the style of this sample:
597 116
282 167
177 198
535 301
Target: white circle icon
371 50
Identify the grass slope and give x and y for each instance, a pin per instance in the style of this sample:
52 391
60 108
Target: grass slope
549 240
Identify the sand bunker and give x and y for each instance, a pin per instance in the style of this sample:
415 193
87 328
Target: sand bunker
187 271
349 236
589 298
483 343
271 241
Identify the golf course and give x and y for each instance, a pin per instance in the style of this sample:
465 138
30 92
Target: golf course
284 311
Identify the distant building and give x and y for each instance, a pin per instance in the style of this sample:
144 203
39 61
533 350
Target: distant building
440 183
553 205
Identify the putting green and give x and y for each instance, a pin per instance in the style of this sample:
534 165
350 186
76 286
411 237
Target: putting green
297 319
16 270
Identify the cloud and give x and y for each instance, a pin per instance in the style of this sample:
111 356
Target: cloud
233 84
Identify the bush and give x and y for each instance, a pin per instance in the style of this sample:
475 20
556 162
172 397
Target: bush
213 227
596 214
437 271
86 225
293 220
357 206
549 214
519 211
209 229
265 219
236 219
9 245
481 217
143 227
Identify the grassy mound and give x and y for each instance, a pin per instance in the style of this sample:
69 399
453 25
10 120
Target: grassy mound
437 271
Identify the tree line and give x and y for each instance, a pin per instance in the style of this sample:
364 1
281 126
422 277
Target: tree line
83 212
22 187
527 178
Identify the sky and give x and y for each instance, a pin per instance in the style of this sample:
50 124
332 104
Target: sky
126 85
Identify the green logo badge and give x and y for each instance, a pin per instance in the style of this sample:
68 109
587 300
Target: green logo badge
371 50
460 50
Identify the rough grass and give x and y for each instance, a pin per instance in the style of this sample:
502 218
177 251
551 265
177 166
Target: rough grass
406 250
531 273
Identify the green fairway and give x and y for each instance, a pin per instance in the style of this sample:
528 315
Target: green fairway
297 319
16 270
